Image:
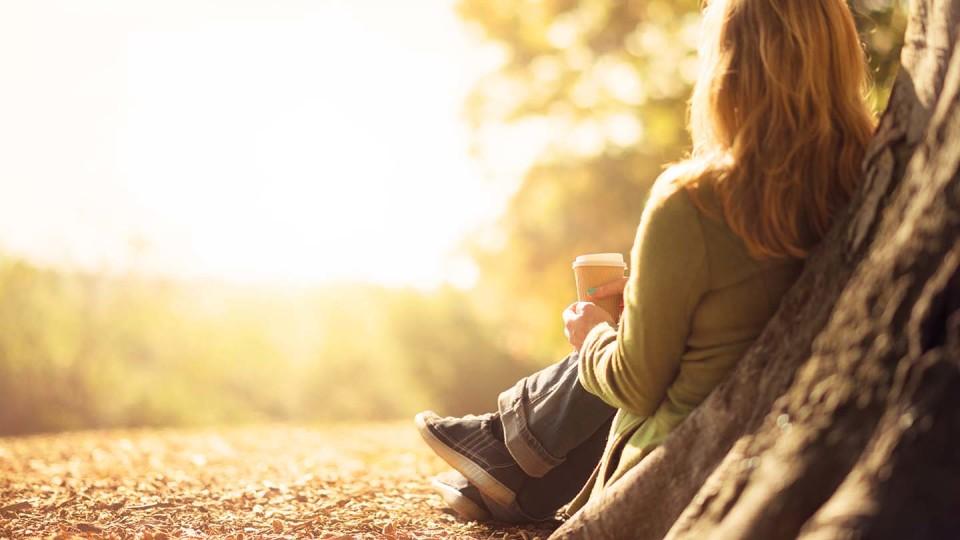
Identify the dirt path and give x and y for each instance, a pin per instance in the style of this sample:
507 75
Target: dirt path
254 482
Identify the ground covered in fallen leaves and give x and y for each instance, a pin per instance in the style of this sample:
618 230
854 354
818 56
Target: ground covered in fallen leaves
368 481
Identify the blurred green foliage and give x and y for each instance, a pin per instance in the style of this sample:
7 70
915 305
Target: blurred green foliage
81 350
610 78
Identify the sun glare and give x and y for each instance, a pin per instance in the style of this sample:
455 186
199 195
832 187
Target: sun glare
265 141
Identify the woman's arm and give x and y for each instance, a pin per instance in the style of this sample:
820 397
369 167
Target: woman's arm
630 367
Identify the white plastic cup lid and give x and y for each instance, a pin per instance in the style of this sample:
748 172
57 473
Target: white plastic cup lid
600 259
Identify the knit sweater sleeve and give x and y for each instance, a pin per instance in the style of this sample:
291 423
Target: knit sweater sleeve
631 367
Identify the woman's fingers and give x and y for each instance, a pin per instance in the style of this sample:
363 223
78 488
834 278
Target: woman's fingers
570 313
608 289
579 318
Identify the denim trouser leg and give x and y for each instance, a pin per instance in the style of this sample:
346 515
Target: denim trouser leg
542 497
549 415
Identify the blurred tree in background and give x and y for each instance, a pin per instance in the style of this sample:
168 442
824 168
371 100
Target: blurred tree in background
609 80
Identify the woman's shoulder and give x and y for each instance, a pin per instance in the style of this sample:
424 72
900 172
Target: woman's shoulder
680 197
684 208
670 226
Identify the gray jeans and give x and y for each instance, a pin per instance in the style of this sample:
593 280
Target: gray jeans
556 432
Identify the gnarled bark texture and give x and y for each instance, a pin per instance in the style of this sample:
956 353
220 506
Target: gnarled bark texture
843 421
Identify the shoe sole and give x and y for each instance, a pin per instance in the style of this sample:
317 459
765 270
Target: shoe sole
477 476
459 503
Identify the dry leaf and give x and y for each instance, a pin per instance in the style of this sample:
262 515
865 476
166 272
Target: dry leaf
88 527
15 506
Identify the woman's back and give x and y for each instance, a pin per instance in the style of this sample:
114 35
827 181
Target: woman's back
695 302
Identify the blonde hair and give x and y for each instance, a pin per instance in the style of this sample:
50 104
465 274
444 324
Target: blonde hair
779 119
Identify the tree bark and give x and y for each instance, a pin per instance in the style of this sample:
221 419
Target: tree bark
843 420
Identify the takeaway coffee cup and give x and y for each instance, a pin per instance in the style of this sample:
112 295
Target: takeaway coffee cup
597 269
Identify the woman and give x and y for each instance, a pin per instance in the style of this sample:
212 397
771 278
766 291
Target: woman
779 126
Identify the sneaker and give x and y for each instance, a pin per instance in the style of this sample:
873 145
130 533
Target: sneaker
461 496
470 503
468 445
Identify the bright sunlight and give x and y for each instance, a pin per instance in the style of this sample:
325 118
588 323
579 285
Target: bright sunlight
290 142
244 242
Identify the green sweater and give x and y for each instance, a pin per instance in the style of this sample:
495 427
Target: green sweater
694 302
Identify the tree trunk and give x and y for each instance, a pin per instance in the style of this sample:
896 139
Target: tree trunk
843 420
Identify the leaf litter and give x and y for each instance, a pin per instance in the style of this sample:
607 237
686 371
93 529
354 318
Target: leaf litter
347 482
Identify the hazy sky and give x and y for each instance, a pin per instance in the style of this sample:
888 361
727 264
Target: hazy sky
269 140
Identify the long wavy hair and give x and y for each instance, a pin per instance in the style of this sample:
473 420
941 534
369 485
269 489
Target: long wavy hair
779 119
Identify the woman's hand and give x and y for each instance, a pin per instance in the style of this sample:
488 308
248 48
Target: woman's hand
579 318
608 289
613 288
